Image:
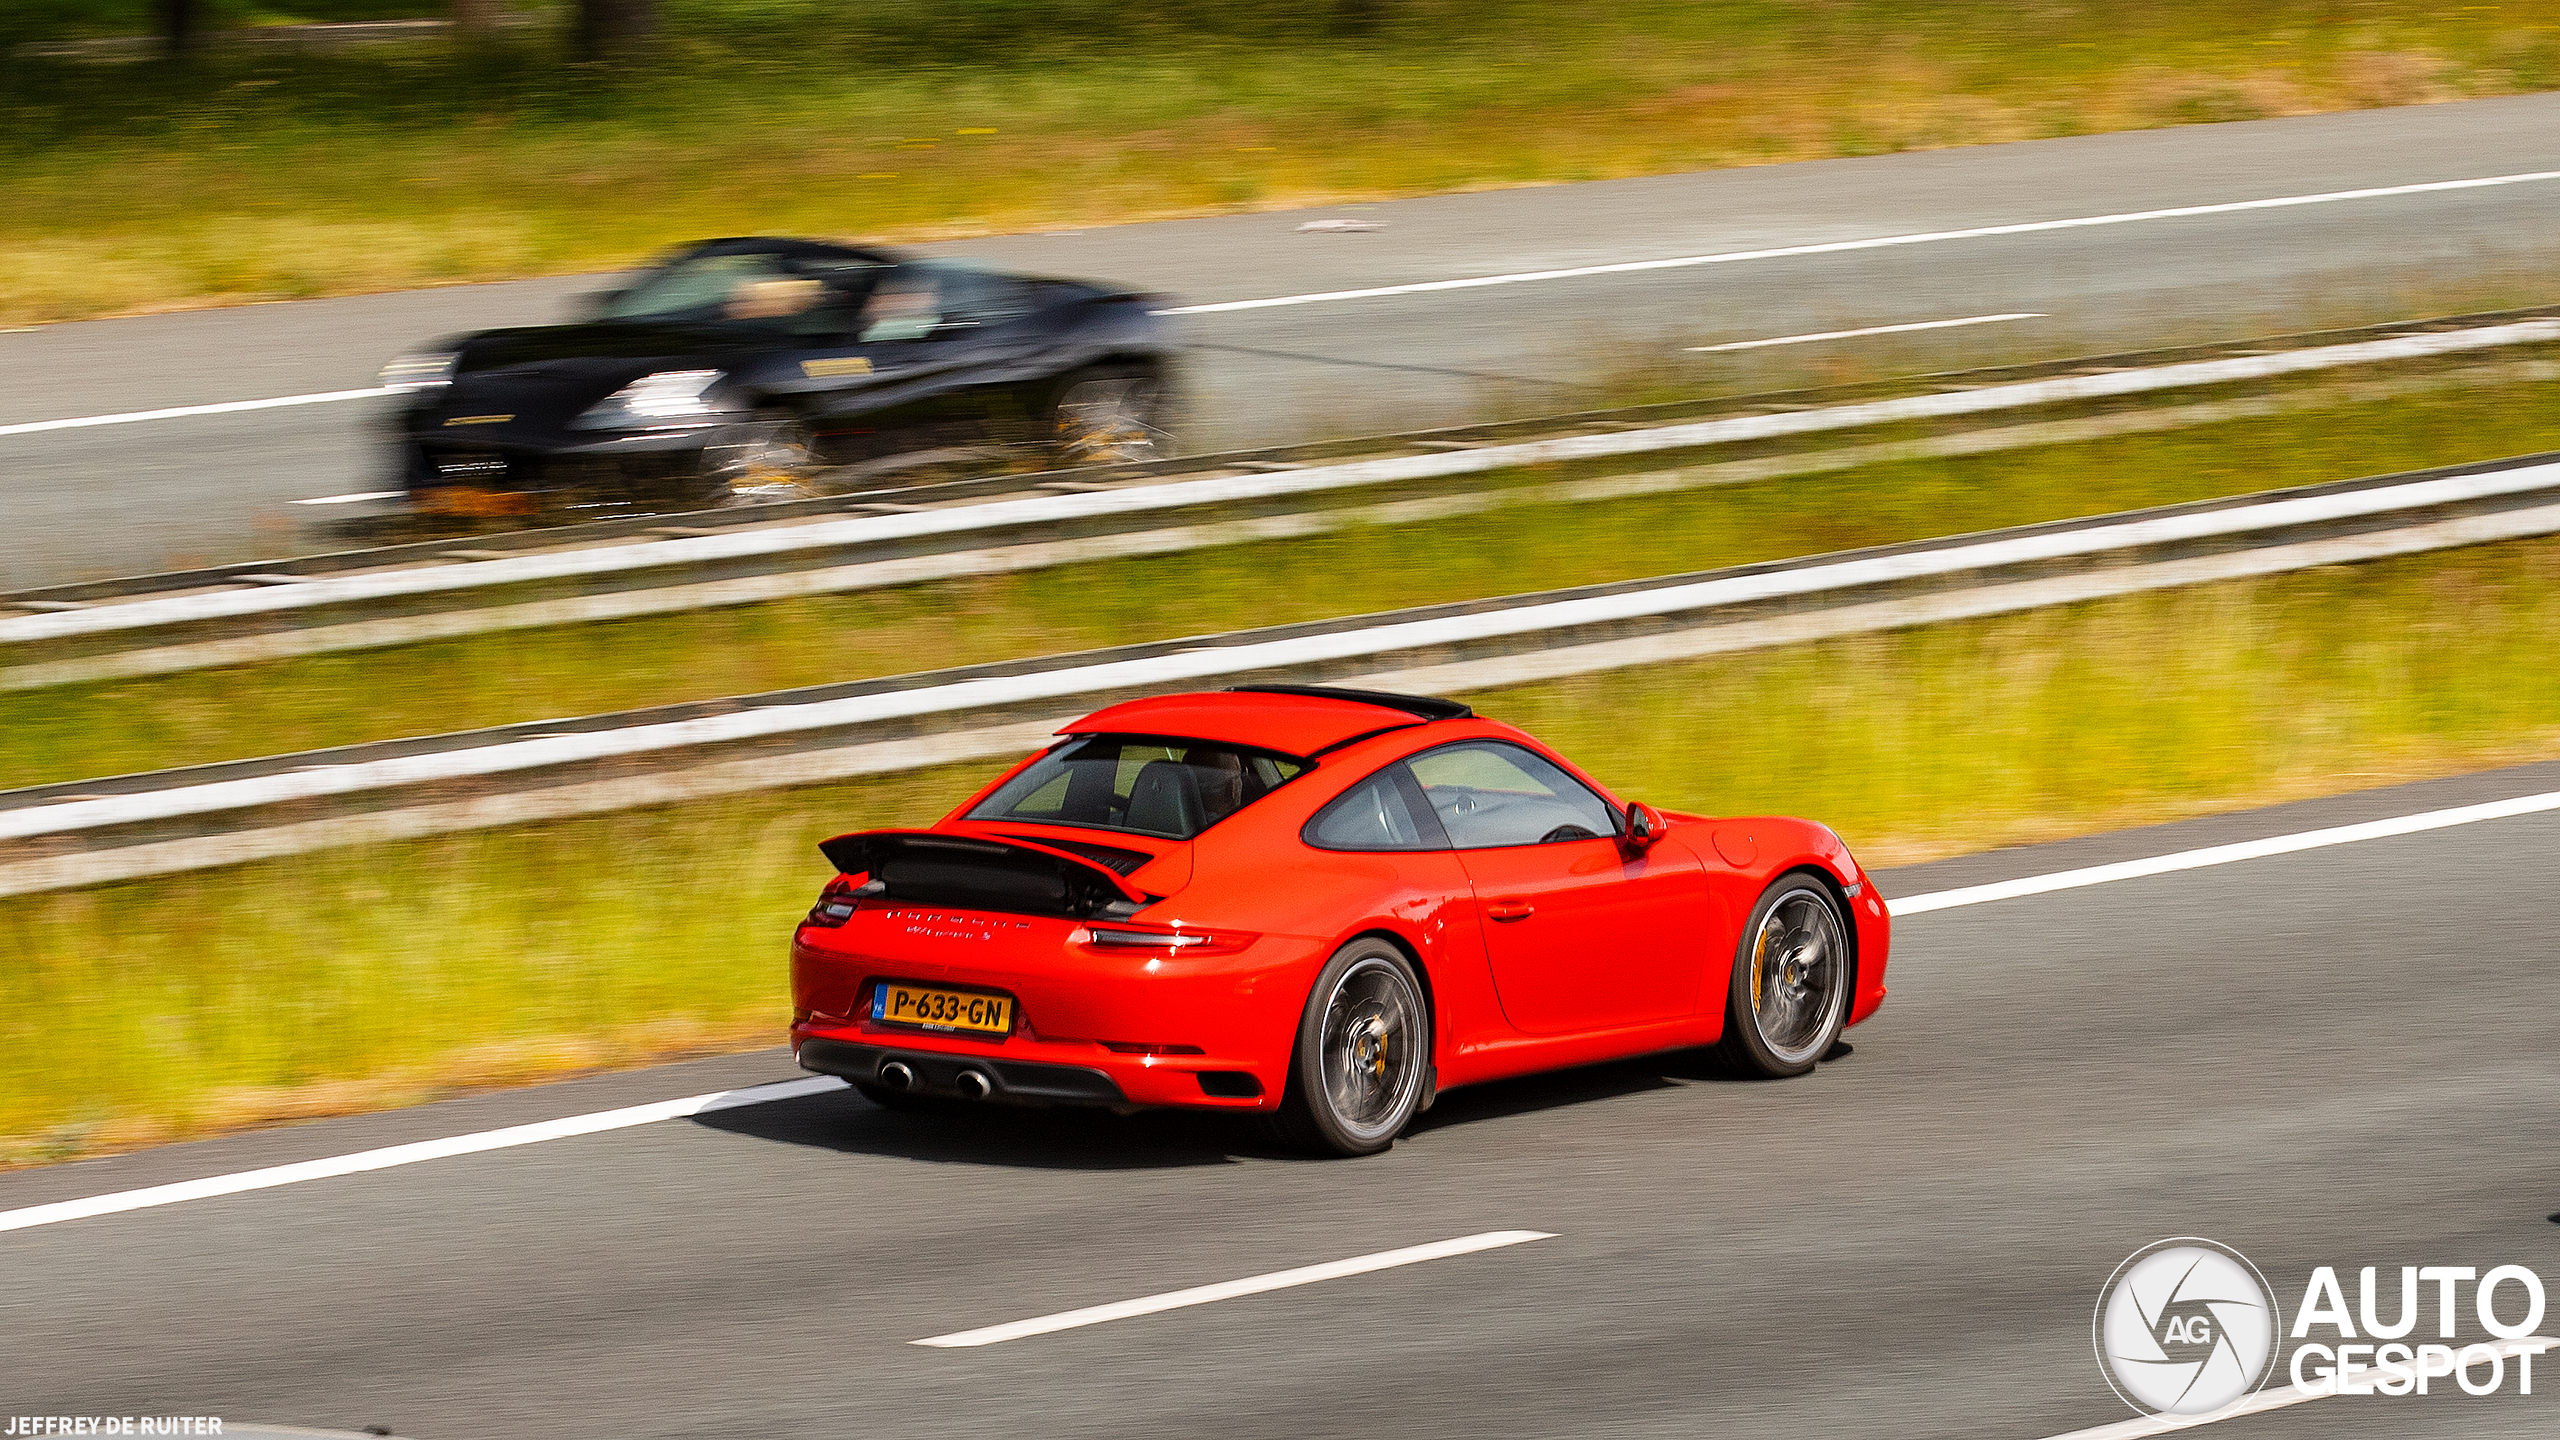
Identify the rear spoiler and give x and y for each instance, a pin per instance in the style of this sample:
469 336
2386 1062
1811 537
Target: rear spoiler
937 867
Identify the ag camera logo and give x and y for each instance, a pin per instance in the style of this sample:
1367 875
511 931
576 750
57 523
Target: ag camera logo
2185 1327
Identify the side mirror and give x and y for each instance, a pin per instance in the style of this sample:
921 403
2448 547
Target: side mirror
1644 826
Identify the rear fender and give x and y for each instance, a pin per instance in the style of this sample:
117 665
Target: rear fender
1414 953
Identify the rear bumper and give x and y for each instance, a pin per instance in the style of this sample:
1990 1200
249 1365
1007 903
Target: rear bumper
1209 1032
1066 1072
1021 1082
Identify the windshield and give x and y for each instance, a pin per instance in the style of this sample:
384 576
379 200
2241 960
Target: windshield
745 287
1142 785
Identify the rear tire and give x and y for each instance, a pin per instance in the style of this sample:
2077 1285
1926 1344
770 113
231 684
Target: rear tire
1362 1064
1790 988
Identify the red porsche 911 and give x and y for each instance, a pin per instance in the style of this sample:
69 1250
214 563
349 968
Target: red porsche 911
1323 905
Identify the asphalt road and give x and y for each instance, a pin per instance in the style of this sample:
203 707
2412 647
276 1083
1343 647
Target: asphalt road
157 494
2342 1057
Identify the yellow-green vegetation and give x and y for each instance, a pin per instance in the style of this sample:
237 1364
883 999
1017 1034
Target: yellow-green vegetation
378 976
262 172
76 732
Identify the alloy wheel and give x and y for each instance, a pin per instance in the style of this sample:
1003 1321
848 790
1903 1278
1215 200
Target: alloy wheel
1798 966
1371 1067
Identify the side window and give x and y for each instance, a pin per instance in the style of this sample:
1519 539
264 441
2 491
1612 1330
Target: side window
915 300
980 297
1379 813
1487 793
904 304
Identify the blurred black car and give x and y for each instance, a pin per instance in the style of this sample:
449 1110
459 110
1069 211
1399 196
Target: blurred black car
755 369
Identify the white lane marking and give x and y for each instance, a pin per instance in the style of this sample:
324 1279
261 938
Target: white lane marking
1870 330
228 407
791 1089
2225 854
350 499
2274 1397
1877 243
1230 1289
386 1158
1629 267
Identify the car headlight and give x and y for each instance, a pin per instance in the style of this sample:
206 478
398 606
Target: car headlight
670 397
419 372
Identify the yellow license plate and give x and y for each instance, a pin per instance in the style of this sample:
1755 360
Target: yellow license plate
961 1010
469 501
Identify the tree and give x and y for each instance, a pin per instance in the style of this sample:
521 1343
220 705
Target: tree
475 19
616 29
180 25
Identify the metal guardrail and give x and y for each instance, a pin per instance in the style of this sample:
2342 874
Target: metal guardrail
88 832
232 615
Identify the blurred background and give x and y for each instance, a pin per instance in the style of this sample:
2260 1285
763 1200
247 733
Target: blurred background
1364 230
190 165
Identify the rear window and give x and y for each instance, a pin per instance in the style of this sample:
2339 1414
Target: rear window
1144 785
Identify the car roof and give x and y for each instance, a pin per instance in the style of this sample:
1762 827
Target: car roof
784 245
1299 720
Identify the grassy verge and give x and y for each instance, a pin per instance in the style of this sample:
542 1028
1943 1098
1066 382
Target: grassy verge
373 977
256 174
74 732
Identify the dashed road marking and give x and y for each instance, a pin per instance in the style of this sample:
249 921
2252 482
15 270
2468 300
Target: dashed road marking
1230 1289
1869 330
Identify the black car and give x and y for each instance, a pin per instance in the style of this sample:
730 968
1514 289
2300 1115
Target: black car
751 369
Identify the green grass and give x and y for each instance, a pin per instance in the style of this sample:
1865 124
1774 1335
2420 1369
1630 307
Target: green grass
75 732
379 976
261 174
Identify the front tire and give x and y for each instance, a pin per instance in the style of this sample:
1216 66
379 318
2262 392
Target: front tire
1111 415
1363 1058
760 462
1790 987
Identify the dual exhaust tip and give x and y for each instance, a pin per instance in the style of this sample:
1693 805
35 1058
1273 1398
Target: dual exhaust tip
973 1084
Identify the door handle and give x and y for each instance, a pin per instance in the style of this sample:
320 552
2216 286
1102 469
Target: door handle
1510 909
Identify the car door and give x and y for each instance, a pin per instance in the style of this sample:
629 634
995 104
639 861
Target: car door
1582 934
926 358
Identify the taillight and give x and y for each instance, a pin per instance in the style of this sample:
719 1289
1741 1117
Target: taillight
1180 941
836 904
